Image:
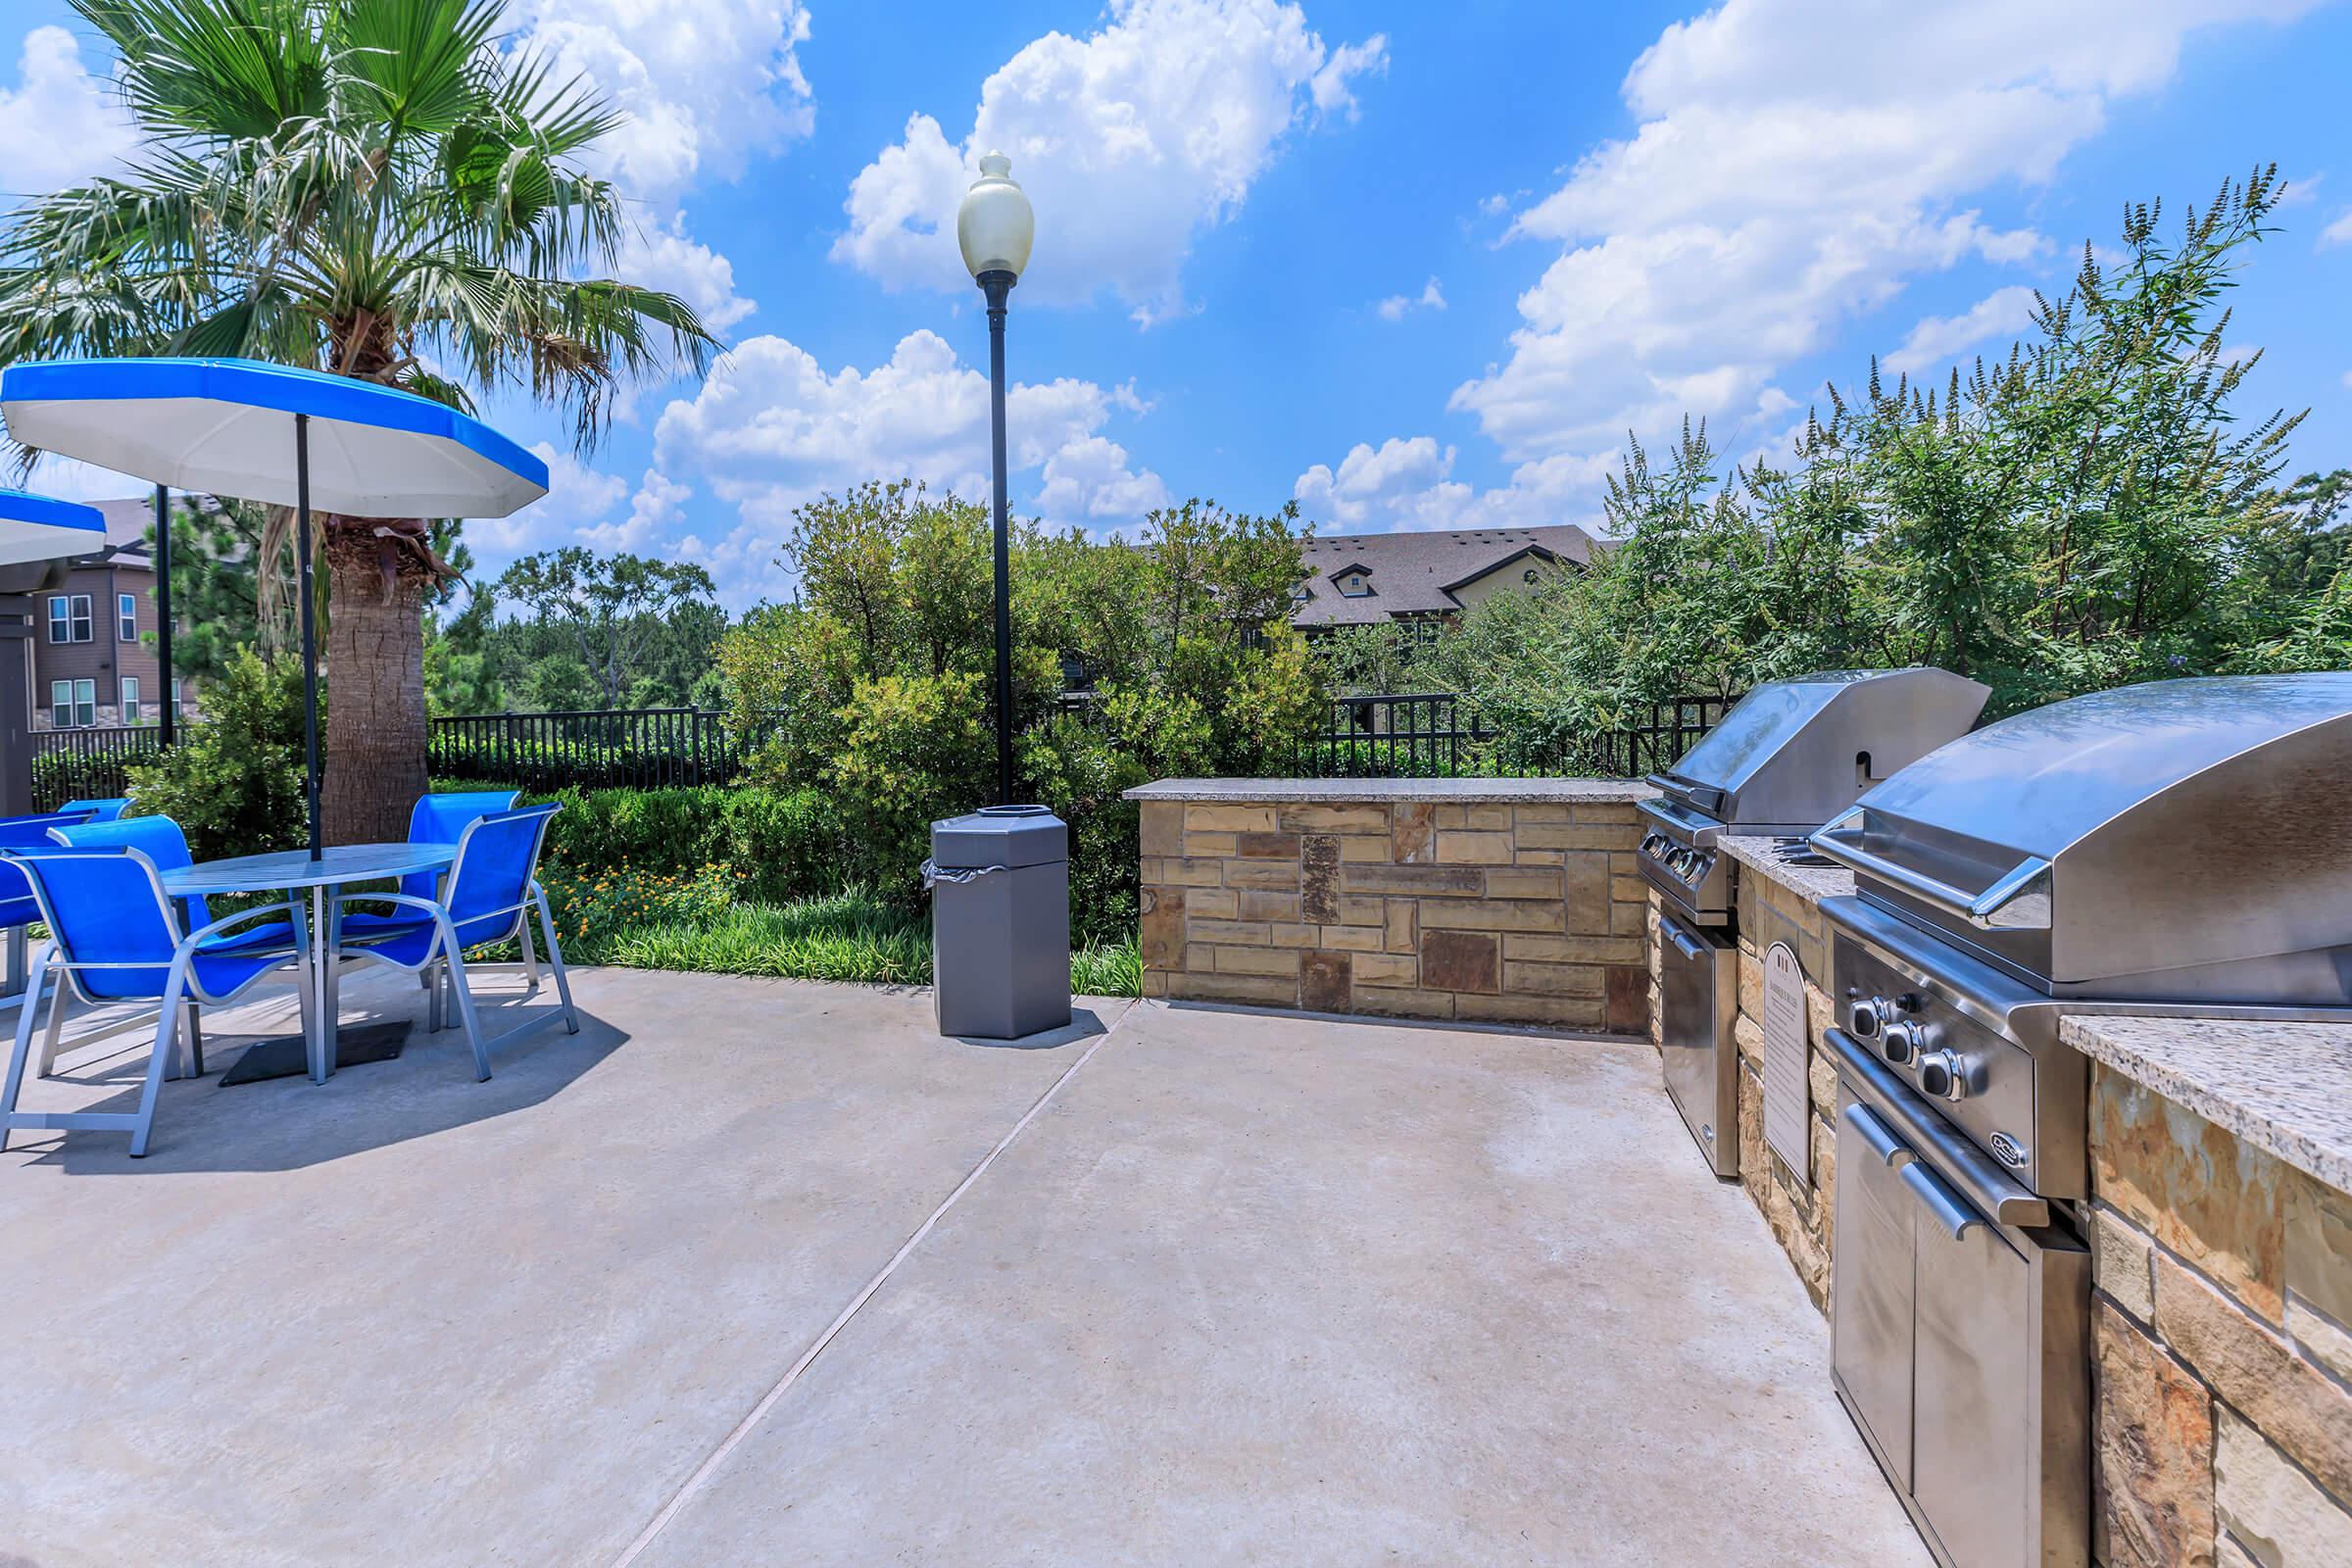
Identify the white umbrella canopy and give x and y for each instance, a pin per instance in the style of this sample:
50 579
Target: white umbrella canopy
226 427
43 528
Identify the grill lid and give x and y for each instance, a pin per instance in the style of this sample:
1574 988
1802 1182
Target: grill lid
1793 754
2175 840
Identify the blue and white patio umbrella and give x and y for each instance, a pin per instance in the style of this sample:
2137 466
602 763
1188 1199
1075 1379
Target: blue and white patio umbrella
42 529
270 434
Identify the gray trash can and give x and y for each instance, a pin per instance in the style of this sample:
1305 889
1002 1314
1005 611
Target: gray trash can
1000 881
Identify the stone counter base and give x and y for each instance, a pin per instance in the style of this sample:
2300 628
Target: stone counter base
1529 913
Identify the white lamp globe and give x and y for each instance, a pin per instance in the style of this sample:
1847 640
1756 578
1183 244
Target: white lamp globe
995 225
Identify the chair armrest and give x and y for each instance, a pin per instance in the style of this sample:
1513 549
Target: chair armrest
409 899
288 908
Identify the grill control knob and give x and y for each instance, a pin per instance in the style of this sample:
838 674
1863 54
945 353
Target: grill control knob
1862 1017
1943 1073
1903 1042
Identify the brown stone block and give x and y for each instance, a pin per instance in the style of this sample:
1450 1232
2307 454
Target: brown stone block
2153 1435
1387 969
2205 1193
1363 847
1587 891
1488 816
1249 933
1291 934
1229 819
1751 986
1459 914
1403 931
1211 904
1454 960
2319 1270
1565 836
1559 1012
1413 834
1163 827
1618 811
1156 983
1452 816
1555 979
1160 934
1199 957
1630 919
1324 982
1319 877
1266 990
1267 876
1266 845
1542 813
1325 818
1352 938
1474 848
1575 950
1748 1038
1209 846
1257 960
1185 871
1628 888
1627 998
1256 906
1524 884
2296 1405
1397 1002
1528 857
1426 880
1362 909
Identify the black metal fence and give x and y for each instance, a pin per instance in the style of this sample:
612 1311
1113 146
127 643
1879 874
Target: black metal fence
645 748
1439 735
74 764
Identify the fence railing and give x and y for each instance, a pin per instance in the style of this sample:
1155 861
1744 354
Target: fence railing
73 765
1439 735
644 748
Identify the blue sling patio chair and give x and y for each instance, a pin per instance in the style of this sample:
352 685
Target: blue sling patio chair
100 810
16 907
115 937
442 820
165 848
488 897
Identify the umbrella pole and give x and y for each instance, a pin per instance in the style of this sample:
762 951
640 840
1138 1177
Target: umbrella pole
310 634
163 612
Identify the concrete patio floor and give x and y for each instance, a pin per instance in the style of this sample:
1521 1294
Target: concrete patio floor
757 1271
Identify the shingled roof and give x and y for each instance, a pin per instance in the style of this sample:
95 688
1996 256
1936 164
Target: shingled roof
1416 573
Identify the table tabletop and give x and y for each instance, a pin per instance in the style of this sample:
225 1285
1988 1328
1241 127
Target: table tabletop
294 869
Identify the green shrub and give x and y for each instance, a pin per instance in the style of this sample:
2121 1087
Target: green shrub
235 784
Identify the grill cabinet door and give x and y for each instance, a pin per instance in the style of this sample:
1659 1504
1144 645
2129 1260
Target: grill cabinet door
1871 1282
1977 1338
1698 981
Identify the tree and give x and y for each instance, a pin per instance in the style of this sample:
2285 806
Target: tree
616 611
376 188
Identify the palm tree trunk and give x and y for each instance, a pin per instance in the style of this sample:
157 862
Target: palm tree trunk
376 716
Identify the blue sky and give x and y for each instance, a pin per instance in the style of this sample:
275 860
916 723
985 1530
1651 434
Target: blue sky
1411 266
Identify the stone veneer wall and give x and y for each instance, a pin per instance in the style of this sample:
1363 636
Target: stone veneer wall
1504 911
2221 1313
2221 1338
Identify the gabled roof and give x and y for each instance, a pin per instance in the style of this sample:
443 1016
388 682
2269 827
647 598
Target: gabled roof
1416 573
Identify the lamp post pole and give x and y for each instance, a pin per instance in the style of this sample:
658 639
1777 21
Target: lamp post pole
994 227
997 285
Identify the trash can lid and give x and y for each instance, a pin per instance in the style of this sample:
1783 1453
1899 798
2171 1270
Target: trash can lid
1000 835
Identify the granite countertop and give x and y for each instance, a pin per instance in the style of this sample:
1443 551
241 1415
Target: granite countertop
1468 791
1814 883
2281 1087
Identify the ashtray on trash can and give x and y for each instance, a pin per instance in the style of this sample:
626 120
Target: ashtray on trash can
1000 881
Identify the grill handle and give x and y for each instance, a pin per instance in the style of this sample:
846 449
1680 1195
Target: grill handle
1991 909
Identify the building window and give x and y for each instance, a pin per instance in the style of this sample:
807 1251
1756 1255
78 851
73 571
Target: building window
132 713
126 615
176 709
70 619
1354 583
72 704
1528 576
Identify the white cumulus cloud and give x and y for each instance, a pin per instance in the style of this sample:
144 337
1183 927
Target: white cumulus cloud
60 125
772 428
1797 163
1408 483
1939 339
1130 141
1396 305
666 257
2339 232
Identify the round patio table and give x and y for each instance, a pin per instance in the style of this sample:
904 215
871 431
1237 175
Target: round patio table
295 871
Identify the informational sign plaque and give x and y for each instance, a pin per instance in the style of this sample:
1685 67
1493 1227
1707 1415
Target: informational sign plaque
1786 1113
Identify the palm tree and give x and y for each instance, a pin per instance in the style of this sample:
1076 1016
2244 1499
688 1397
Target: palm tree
385 189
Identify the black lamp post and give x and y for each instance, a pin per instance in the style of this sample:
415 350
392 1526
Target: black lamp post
995 227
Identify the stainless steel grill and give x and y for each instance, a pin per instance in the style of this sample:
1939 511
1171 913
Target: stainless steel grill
2169 847
1787 758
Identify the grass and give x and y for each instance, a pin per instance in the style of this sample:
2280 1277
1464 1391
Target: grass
695 923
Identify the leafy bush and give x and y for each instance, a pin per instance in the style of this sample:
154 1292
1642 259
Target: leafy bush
235 784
